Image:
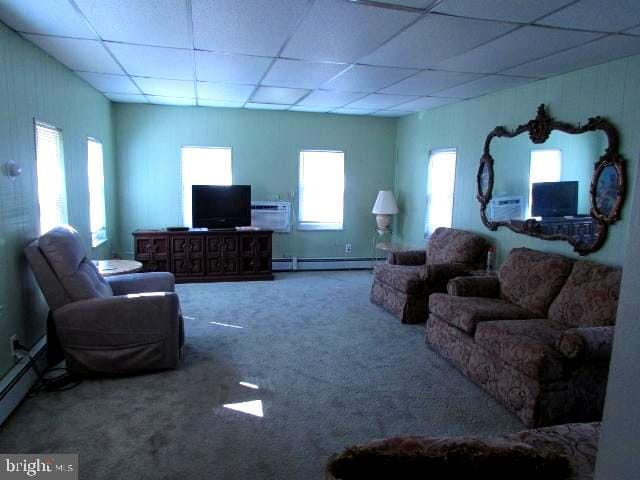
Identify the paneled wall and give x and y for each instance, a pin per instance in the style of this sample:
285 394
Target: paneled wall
33 85
266 146
611 90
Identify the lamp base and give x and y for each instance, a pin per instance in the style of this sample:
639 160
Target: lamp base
383 222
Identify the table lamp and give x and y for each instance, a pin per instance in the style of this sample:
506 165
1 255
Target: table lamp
384 207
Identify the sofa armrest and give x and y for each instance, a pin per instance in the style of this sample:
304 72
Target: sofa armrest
587 343
142 282
407 257
121 320
476 286
439 274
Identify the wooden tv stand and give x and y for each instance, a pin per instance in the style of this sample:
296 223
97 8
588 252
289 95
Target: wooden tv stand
206 255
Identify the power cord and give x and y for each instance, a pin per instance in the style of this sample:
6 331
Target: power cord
58 383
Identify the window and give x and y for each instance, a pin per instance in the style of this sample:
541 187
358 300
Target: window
203 166
441 175
52 189
546 166
97 210
321 190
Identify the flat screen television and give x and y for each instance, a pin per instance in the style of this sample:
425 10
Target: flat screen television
554 199
216 206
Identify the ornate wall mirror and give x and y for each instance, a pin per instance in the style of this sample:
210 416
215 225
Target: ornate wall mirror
559 182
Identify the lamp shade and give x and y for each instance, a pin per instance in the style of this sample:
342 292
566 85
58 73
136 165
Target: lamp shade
385 203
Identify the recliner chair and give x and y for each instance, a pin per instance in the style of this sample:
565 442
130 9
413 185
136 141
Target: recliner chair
121 325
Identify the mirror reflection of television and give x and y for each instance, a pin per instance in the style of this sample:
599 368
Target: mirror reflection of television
554 199
217 206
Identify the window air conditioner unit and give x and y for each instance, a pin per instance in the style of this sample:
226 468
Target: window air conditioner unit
274 216
506 208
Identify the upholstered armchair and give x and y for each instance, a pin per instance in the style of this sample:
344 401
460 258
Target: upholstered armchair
121 325
403 284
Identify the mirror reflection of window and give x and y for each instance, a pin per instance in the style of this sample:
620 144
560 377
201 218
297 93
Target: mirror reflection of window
545 166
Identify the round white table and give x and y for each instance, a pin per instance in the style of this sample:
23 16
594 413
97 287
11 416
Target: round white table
109 268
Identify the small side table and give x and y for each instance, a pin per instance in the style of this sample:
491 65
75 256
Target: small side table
109 268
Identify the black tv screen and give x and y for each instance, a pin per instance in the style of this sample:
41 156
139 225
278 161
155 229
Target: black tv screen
554 199
215 206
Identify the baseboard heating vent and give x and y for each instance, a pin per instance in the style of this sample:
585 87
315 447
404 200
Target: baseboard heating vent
289 264
15 385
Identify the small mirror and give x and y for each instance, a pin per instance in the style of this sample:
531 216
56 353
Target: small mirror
559 182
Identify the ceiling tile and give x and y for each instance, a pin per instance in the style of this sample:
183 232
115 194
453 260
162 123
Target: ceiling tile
378 101
523 45
50 17
488 84
301 74
352 111
339 31
156 62
392 113
254 27
424 103
298 108
224 91
599 15
85 55
219 103
362 78
220 67
159 100
507 10
159 22
433 39
324 98
110 83
408 3
428 82
165 88
266 106
287 96
600 51
126 98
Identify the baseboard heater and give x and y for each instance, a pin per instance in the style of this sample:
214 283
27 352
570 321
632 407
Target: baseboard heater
295 263
15 385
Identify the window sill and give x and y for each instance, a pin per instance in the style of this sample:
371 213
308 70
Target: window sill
320 226
97 243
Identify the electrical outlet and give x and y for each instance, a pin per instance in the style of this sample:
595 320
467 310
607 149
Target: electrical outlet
13 339
347 248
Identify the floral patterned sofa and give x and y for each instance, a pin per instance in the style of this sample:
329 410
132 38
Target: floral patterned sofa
561 452
538 336
403 284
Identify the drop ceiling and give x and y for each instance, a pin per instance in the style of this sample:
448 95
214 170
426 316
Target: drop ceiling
385 58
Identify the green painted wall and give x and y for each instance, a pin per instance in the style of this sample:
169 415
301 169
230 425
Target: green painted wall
266 147
611 90
33 85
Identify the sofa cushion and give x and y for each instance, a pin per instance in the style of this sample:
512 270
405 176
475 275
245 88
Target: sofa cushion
63 249
466 313
448 245
589 297
526 345
533 279
405 278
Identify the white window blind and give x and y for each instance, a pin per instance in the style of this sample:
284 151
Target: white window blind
321 190
97 209
441 176
203 166
52 190
546 166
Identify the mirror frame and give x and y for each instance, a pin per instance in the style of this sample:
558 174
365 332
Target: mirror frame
539 130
